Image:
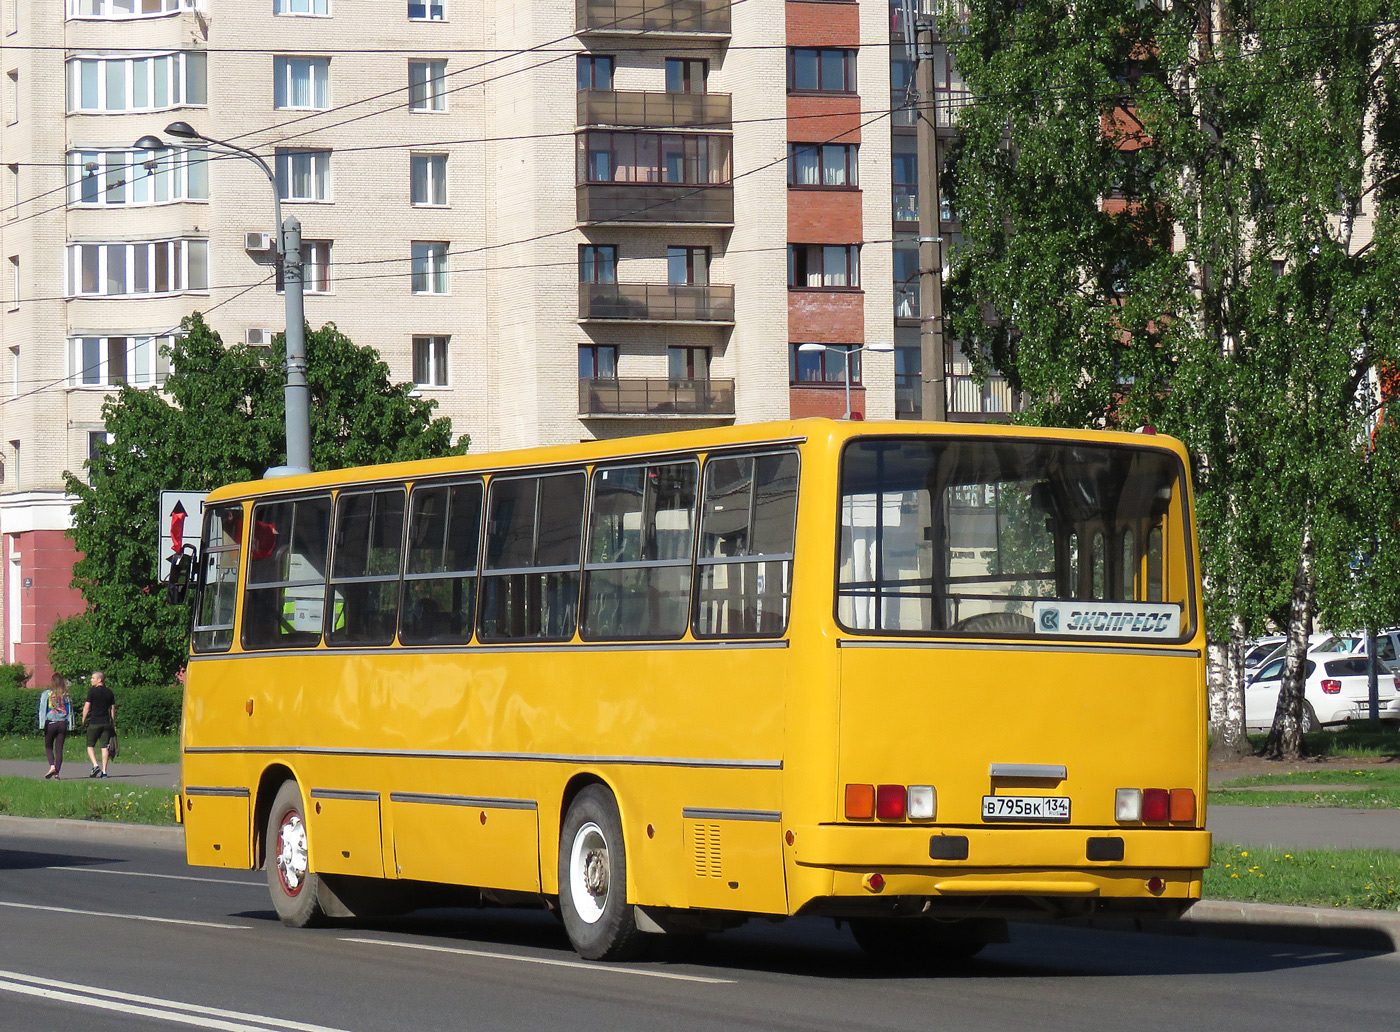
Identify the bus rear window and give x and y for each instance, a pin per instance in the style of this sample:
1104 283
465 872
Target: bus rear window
988 537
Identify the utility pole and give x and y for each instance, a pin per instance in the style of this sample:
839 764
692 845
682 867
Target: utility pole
932 348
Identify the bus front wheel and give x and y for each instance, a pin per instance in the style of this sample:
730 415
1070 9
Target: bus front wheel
593 879
295 888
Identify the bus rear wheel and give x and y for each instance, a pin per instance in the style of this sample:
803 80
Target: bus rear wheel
295 888
919 942
593 880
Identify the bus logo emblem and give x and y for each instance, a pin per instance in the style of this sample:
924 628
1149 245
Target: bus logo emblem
1050 620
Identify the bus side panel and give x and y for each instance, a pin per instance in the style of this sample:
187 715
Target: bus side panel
345 835
217 831
736 865
492 847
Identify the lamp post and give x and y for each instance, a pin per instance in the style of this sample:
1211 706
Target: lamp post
846 353
296 397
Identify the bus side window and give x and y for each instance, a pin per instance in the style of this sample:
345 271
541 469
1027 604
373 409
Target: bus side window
530 580
284 602
641 533
1156 588
439 591
218 581
365 567
747 531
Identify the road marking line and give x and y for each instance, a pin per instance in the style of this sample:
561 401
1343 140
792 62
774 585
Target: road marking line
148 1006
584 965
125 917
147 874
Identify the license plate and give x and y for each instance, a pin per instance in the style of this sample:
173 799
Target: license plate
1025 808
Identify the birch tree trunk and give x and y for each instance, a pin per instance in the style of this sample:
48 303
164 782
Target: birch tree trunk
1228 739
1285 740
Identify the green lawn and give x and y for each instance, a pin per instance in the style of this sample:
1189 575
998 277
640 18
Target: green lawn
1361 788
134 748
82 799
1356 879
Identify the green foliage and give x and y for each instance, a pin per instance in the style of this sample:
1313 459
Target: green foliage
1179 228
220 420
19 710
13 675
141 709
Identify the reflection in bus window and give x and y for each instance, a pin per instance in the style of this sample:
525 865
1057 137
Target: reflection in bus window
640 537
218 580
285 597
531 579
964 536
365 573
439 592
746 545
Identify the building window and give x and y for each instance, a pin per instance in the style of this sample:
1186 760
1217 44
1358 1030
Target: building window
141 361
822 164
427 89
121 177
623 157
686 74
14 472
12 194
597 263
14 281
597 362
821 70
904 168
428 179
821 266
320 7
14 372
147 83
301 83
12 94
827 365
429 267
144 267
96 440
595 71
315 268
304 175
906 280
688 266
430 361
424 10
686 363
127 8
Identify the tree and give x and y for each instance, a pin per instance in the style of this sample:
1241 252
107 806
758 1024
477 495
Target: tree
1184 215
219 420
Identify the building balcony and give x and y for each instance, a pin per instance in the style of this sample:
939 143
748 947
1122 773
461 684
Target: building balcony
656 303
661 397
645 110
968 400
656 204
707 18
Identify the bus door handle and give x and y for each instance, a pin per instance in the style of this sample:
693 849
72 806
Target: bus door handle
1038 771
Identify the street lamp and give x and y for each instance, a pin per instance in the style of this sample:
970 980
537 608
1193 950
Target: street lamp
296 396
847 351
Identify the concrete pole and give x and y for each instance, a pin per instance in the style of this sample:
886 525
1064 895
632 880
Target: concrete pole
932 349
297 396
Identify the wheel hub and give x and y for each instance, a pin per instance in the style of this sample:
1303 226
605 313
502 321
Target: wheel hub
292 856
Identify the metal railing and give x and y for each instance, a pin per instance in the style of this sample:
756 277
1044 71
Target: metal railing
637 108
656 302
657 204
660 396
704 17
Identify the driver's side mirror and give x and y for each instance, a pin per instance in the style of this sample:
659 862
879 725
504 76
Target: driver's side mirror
181 567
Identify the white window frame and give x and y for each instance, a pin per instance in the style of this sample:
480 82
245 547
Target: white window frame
316 268
124 9
138 78
100 178
427 86
143 363
435 349
287 69
318 171
429 272
185 260
310 8
432 170
431 10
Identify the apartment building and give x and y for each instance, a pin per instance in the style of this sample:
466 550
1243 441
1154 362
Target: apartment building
561 220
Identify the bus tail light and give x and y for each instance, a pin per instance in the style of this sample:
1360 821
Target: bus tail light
1127 804
889 802
860 802
1331 687
923 802
1183 804
1156 804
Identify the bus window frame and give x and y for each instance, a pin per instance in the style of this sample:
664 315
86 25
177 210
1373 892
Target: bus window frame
248 584
328 633
206 553
406 577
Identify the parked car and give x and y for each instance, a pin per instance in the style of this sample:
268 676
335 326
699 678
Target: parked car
1387 646
1335 690
1262 650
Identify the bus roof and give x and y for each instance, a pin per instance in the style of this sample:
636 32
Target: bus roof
726 437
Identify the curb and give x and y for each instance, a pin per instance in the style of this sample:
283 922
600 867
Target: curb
172 838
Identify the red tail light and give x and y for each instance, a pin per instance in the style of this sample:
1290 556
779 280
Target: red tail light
1397 683
1331 687
1156 804
889 802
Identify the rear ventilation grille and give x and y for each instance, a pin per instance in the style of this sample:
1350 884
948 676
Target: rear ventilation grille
707 851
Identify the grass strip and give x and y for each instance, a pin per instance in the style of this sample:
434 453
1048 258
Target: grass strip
134 748
1360 777
1374 799
85 800
1358 879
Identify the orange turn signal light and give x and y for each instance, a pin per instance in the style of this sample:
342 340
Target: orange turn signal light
860 802
1183 804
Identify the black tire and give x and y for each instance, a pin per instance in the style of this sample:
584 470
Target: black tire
593 880
917 942
1309 722
295 888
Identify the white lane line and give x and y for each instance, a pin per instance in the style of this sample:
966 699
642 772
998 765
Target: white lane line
584 965
148 874
149 1006
124 917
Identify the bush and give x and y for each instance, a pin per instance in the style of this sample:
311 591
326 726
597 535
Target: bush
13 675
143 709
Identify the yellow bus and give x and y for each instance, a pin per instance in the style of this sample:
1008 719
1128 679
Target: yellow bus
919 677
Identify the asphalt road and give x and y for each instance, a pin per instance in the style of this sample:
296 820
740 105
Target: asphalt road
118 935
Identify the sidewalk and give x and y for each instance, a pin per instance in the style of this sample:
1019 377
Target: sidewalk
75 768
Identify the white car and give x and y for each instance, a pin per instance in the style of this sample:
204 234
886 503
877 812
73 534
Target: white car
1262 650
1335 690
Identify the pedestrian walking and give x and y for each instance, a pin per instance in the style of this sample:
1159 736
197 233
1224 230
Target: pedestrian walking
100 716
55 721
